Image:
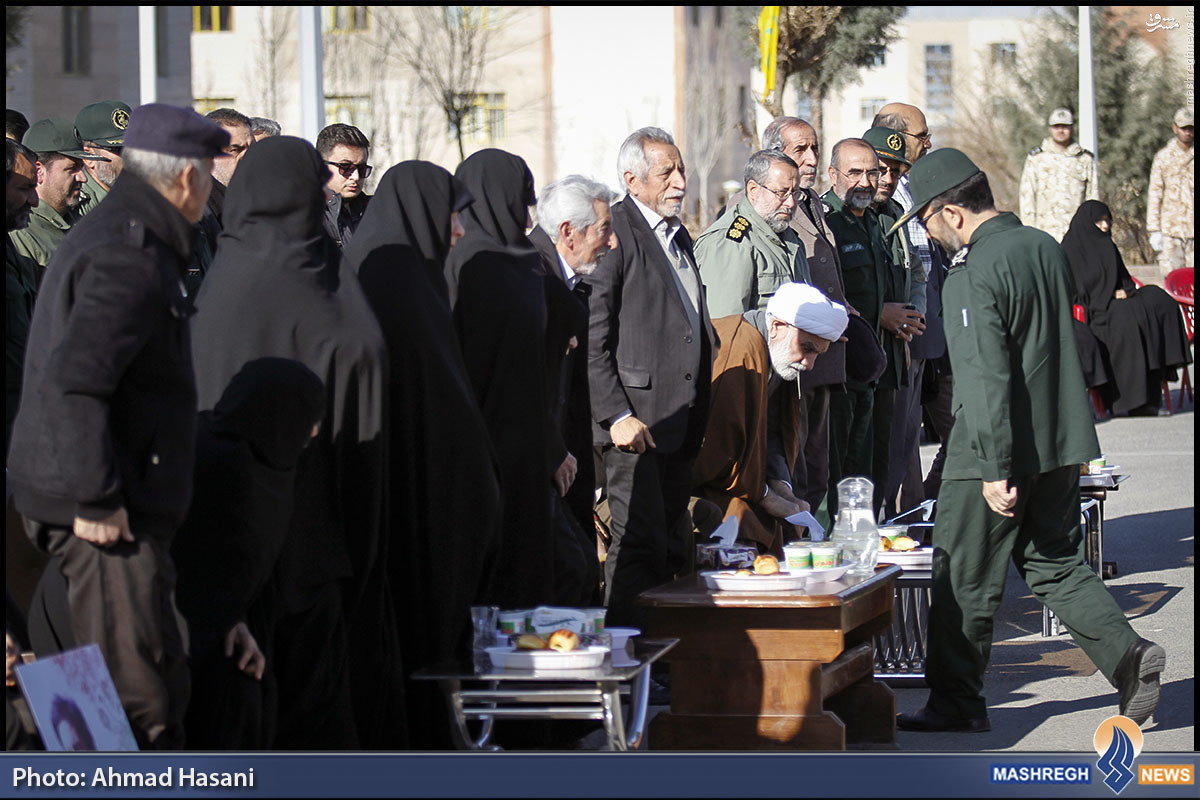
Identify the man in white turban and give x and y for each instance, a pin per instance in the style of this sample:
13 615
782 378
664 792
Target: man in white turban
751 443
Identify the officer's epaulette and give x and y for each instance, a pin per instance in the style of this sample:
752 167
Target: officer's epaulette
1035 151
737 230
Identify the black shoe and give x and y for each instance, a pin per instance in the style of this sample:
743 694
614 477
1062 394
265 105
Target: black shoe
927 720
1136 678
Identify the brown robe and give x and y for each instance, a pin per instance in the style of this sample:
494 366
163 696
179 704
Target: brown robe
731 469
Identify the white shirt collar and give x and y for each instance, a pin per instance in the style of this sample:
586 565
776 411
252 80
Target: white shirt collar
573 278
654 219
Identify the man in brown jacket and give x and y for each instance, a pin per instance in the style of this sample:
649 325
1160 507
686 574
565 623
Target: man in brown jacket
750 445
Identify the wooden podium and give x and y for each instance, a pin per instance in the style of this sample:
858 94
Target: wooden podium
776 670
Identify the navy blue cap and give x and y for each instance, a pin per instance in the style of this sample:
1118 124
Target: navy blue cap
175 131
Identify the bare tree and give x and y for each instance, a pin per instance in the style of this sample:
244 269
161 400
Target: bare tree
275 58
445 49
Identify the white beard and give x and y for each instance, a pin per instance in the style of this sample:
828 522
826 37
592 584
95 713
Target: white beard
788 370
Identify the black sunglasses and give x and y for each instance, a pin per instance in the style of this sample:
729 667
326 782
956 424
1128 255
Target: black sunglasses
347 169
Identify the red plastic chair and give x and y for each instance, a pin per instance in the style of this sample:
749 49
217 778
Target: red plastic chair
1098 408
1181 285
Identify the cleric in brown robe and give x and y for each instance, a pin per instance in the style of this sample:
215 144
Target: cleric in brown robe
750 445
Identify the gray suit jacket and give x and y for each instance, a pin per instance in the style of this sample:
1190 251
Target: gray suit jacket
820 248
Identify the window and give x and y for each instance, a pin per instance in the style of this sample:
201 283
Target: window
347 19
1004 54
484 120
939 96
76 40
717 15
695 12
212 18
203 105
804 105
468 17
868 107
162 56
351 109
877 57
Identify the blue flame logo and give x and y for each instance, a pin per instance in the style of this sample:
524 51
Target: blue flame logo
1117 761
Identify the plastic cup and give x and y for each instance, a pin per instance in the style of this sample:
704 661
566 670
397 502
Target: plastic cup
798 556
512 622
825 557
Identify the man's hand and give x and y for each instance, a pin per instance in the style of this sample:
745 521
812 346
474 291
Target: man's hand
564 476
1120 294
1000 498
632 435
785 502
252 661
105 532
904 323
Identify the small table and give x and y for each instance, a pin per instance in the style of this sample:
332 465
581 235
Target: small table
774 670
1097 487
490 694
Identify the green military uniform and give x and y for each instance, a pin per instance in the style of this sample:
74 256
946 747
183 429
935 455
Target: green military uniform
37 243
742 261
1021 414
103 125
871 279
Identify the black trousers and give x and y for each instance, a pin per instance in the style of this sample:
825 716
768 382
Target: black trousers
810 478
122 598
647 495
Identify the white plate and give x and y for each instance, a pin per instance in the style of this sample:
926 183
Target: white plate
912 558
1110 470
728 581
823 575
510 658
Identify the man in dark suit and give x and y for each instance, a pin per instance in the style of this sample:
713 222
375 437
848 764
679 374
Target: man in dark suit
574 230
649 367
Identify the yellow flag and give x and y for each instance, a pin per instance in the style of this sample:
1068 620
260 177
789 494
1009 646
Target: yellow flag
768 44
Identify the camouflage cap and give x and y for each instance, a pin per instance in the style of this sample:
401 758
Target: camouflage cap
933 175
103 123
56 135
1061 116
1184 117
888 143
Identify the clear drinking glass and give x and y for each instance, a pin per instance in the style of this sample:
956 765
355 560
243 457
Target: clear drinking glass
484 619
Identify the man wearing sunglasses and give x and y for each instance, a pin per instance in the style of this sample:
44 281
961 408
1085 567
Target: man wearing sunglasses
101 126
345 150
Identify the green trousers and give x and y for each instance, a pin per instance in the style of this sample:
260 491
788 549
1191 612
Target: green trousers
972 545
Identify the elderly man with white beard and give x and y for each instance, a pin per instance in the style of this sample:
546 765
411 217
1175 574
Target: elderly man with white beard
751 444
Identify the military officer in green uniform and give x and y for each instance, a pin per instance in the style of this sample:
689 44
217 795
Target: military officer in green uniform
101 126
751 250
60 190
1022 427
872 280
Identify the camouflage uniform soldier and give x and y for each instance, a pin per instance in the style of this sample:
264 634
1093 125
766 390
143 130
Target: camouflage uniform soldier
1058 176
1170 203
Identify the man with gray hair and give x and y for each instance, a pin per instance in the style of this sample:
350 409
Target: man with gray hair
574 231
649 365
102 451
798 140
263 128
751 250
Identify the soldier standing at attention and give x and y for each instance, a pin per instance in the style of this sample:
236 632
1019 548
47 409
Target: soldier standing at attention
751 250
1058 176
101 126
1022 427
1170 203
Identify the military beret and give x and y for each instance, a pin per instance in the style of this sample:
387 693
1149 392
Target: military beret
1183 118
1061 116
888 143
55 135
935 174
103 123
175 131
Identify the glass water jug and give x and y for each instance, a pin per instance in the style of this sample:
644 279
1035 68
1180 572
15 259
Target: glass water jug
854 530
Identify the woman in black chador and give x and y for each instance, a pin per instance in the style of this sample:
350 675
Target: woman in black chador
442 482
225 552
277 288
1140 328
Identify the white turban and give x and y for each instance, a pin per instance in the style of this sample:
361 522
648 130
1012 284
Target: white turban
809 310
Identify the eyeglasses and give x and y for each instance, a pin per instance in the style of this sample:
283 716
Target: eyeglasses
922 136
347 168
783 194
856 175
925 220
